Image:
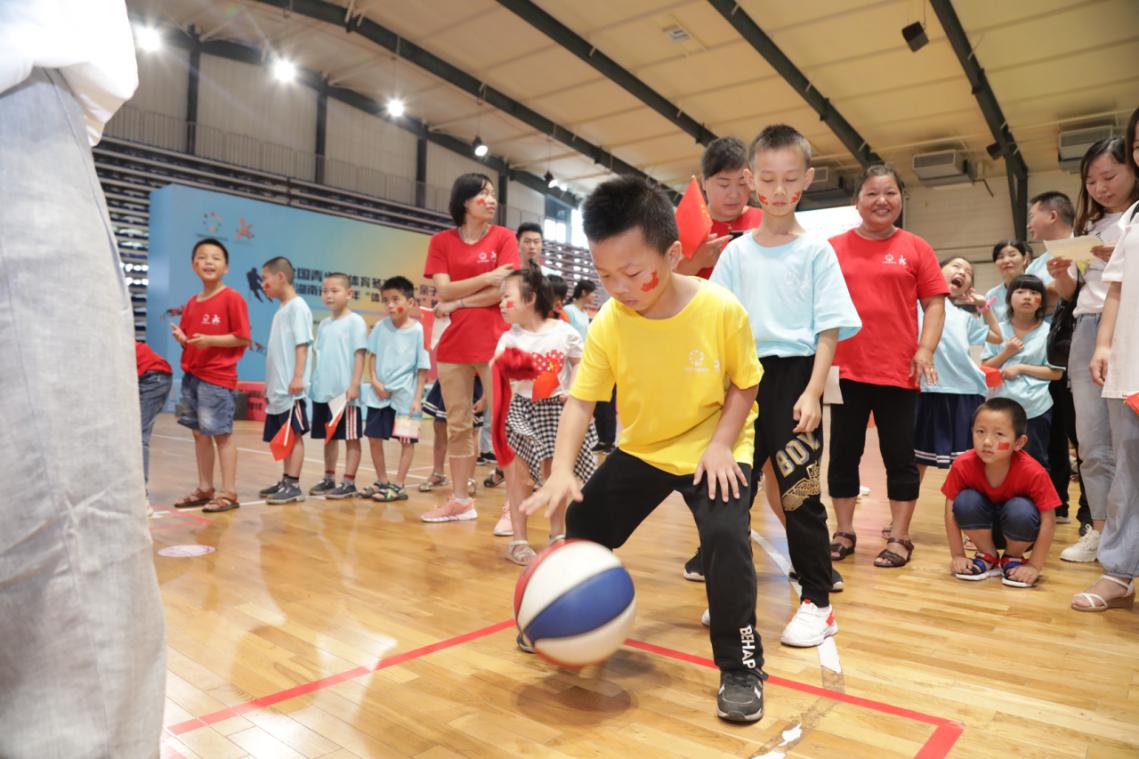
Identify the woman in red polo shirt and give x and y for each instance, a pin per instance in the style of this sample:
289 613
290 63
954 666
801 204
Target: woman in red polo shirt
467 265
726 180
888 271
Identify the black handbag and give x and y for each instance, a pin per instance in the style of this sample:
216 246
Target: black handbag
1063 325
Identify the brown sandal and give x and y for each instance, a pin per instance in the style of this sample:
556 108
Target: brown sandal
840 551
198 498
892 560
220 503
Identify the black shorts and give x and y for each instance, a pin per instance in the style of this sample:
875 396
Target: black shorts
433 405
381 424
274 422
350 426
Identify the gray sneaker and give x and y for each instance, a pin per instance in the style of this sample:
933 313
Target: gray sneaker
741 696
345 489
323 487
271 490
289 493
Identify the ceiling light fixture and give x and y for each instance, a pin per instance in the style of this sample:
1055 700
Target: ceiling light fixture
395 107
480 147
148 38
284 70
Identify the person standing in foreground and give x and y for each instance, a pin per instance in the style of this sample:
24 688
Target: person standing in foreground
82 662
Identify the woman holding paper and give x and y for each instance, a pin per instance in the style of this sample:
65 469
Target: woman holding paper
726 181
1108 187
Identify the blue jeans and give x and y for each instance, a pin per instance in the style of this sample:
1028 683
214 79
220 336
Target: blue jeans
1016 519
153 390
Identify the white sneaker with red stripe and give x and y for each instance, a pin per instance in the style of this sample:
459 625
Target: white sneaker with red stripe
810 626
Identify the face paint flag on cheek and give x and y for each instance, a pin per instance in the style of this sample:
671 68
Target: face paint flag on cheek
1004 446
651 285
795 197
762 199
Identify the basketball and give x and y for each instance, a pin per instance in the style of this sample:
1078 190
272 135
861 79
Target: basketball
575 603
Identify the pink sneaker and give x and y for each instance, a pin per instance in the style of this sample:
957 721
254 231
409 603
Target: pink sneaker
504 528
453 510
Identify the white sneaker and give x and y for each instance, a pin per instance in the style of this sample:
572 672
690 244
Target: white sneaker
810 626
505 527
706 619
1083 551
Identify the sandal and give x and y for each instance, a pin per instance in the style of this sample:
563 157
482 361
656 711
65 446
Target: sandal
520 552
558 537
983 567
887 531
1097 603
1009 563
494 479
840 551
220 503
436 480
391 492
891 560
376 488
198 498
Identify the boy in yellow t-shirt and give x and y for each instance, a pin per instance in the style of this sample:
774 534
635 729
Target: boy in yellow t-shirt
660 336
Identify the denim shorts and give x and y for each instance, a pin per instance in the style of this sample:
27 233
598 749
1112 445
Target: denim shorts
206 408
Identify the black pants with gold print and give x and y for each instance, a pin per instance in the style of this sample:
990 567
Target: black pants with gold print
796 459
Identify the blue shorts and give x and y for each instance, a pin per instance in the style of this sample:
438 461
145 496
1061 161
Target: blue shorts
381 424
943 427
206 408
274 422
350 427
433 405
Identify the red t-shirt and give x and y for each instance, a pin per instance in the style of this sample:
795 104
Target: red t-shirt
1025 478
886 279
474 332
223 313
149 361
747 220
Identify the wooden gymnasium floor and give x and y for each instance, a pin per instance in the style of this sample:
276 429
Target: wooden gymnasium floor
345 629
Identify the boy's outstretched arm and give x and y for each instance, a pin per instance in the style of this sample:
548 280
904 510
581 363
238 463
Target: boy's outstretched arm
562 485
719 462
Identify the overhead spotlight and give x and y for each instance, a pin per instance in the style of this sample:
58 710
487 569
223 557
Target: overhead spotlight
284 71
550 181
480 147
148 38
915 36
395 108
994 150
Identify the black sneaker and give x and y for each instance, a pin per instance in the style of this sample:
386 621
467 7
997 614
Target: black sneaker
489 458
523 644
694 568
345 489
323 487
836 579
271 490
740 698
288 493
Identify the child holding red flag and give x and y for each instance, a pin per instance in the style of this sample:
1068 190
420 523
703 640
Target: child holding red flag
341 341
531 419
287 372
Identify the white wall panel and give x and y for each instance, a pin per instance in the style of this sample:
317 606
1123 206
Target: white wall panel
163 78
367 154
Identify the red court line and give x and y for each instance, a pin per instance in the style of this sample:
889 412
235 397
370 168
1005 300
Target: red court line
325 682
184 515
936 747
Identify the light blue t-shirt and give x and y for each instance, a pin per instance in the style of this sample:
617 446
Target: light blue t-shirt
400 355
337 341
791 292
577 319
957 372
292 326
1000 305
1030 392
1039 268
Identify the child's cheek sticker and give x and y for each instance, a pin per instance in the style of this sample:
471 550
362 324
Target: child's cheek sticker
795 197
399 309
651 285
762 199
510 304
1004 446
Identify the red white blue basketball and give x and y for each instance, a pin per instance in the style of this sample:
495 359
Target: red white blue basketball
575 603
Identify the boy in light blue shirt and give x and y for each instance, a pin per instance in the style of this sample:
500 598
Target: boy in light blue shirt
341 342
287 371
799 308
398 362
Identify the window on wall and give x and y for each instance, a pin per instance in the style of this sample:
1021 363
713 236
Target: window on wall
577 230
557 225
554 230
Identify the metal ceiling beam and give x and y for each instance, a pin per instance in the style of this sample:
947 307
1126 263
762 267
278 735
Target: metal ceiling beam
583 49
334 15
765 46
314 79
1015 167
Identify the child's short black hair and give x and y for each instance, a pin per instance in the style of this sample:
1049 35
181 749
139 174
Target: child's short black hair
282 265
533 284
529 226
209 241
466 187
723 154
402 284
341 276
558 286
1027 282
625 203
1002 405
779 137
584 287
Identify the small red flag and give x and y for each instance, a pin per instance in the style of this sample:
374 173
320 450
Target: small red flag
993 377
1133 402
693 221
282 443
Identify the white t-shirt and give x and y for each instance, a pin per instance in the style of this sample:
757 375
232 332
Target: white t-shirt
1094 291
1123 367
556 344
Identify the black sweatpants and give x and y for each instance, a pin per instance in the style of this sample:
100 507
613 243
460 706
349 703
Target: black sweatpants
625 490
894 410
795 458
1063 431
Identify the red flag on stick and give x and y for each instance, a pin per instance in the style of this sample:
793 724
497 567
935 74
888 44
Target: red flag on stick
693 220
282 443
1132 402
993 377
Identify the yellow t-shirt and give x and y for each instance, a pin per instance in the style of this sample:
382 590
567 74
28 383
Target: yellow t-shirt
672 375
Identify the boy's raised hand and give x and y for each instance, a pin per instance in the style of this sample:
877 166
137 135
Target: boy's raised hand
720 466
560 488
808 412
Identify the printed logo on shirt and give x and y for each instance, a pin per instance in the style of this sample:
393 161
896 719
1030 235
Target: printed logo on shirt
892 260
484 256
696 361
211 319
